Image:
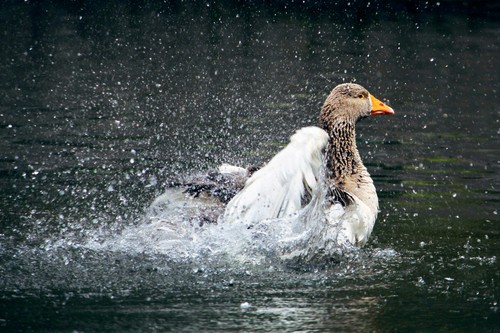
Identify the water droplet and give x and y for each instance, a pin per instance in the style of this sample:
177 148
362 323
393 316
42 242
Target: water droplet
245 305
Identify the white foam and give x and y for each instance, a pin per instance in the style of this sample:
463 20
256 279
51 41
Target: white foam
174 225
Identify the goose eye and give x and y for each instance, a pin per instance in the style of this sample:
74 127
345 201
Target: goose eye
361 96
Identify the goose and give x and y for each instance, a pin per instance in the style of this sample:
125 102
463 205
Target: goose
289 181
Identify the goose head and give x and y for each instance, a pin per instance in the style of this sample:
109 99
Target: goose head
350 102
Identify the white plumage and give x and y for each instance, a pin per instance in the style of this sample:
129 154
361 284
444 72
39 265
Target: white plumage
280 187
277 190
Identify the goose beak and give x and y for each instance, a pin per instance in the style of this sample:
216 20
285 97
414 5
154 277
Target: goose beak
379 108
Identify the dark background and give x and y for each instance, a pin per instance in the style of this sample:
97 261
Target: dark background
102 103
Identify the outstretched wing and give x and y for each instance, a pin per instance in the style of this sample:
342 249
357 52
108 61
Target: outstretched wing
282 186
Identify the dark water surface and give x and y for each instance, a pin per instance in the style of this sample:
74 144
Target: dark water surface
102 103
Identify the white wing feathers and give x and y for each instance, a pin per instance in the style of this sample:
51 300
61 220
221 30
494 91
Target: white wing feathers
278 189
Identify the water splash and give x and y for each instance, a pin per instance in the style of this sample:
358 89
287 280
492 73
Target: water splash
178 225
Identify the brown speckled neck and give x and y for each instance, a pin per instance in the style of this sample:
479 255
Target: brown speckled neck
343 160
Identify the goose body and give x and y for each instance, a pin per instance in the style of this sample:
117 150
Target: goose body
292 177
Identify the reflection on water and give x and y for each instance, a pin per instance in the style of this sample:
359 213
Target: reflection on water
102 104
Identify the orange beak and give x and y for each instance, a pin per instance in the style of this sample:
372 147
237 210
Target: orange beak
379 108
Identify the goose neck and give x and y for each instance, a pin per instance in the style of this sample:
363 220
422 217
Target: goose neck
343 159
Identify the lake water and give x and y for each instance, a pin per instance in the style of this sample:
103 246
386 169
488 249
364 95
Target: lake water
102 104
